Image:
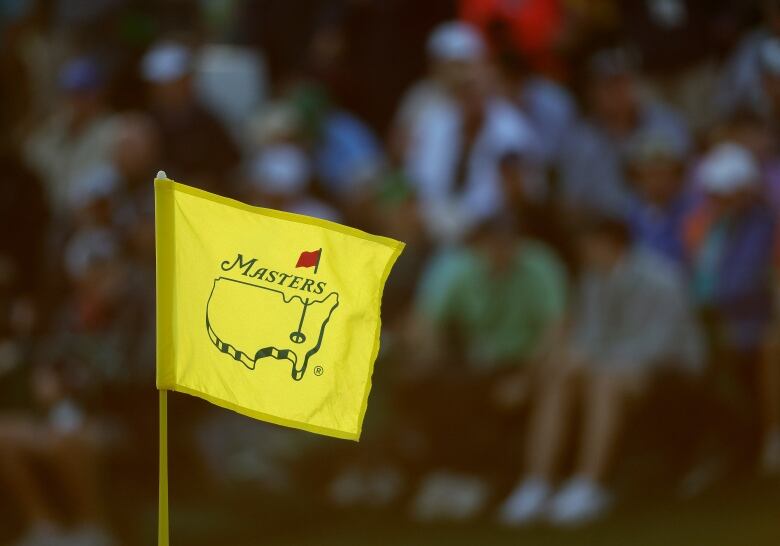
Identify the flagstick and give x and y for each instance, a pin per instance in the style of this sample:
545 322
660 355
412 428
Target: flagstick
306 302
162 515
303 315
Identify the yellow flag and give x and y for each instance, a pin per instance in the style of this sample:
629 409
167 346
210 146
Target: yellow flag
270 314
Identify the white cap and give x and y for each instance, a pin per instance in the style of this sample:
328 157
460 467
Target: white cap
280 169
728 168
455 41
165 62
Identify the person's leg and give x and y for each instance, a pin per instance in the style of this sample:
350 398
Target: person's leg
584 497
608 398
550 422
547 434
19 439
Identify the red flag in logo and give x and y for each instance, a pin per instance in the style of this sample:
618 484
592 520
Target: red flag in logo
309 259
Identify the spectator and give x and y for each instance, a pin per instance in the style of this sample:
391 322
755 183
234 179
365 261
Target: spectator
617 113
114 201
76 137
345 153
769 57
730 245
196 146
548 106
456 291
453 51
126 175
740 83
734 219
660 201
757 135
483 313
631 320
539 216
681 43
454 151
757 131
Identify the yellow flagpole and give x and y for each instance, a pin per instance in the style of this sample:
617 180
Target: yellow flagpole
162 514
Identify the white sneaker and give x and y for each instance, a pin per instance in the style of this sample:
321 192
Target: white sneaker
428 503
468 496
384 486
526 504
375 488
445 496
349 488
580 501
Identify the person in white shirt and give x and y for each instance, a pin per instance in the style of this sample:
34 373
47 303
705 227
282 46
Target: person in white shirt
454 144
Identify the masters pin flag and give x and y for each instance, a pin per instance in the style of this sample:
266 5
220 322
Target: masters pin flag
270 314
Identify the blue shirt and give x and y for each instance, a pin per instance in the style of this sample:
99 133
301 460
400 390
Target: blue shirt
659 229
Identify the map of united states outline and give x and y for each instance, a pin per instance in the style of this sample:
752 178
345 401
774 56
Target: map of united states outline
274 352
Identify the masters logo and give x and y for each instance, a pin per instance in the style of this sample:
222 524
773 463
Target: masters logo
301 308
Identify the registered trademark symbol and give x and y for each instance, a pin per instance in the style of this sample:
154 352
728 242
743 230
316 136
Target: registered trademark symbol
318 370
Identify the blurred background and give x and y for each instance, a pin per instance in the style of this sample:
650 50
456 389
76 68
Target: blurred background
580 342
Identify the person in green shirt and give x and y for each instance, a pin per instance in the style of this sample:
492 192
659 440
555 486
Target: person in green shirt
482 314
490 304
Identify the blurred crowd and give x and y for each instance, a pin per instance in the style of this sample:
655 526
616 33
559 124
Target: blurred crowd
589 192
